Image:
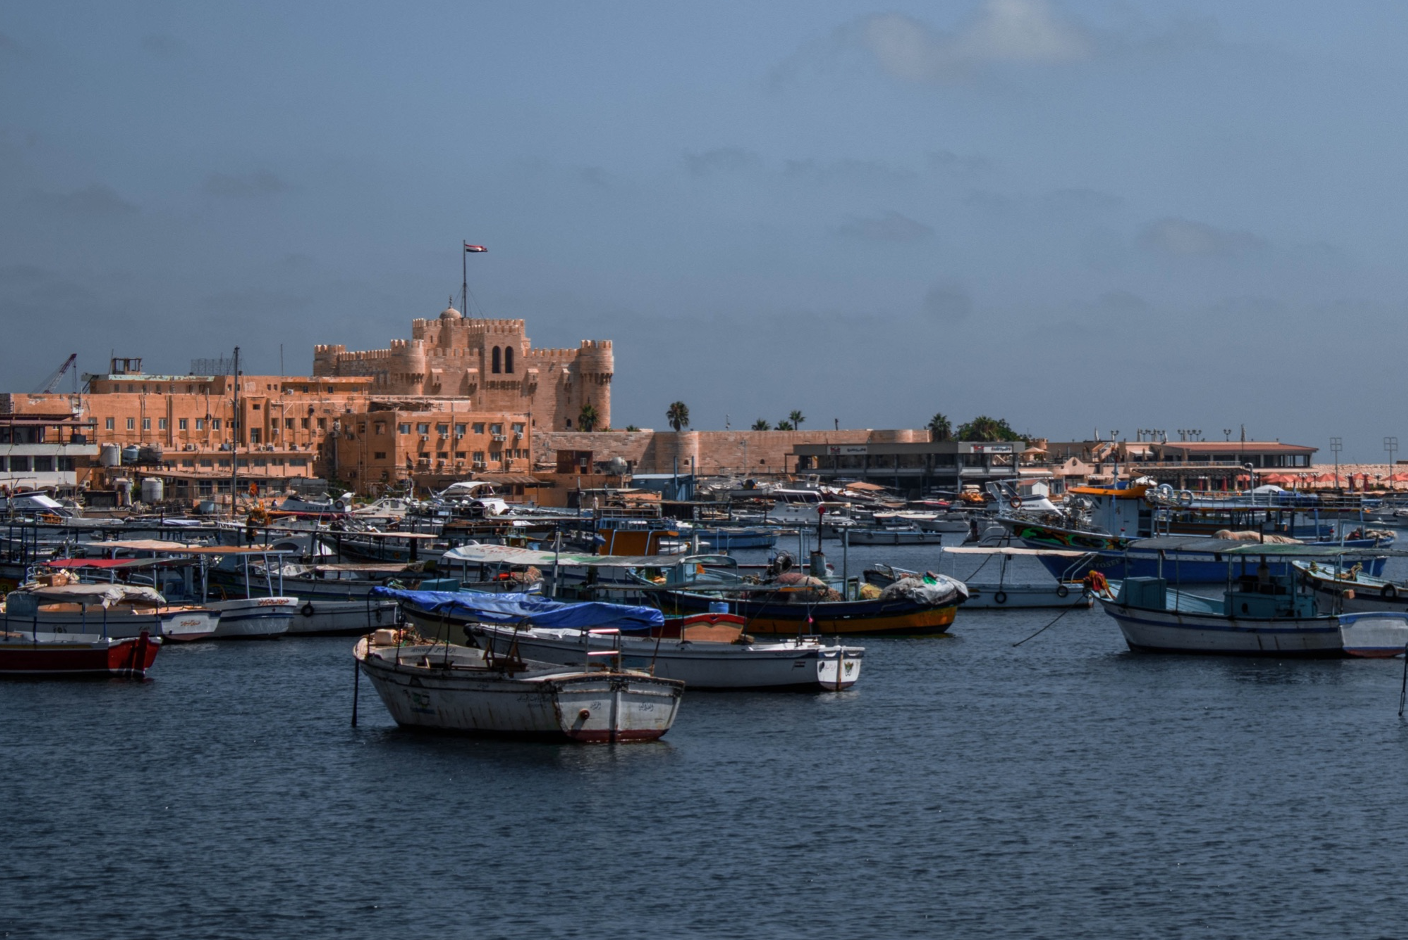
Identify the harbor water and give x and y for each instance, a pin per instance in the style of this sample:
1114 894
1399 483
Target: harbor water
966 787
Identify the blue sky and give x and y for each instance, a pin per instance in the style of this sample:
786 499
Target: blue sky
1072 215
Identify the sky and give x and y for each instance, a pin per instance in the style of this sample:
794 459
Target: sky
1077 216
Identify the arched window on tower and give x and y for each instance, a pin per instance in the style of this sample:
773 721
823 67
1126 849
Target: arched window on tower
508 359
495 367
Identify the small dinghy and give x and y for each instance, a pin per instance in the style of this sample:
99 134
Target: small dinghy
1377 634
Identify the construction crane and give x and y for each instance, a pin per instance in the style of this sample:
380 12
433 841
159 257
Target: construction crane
52 382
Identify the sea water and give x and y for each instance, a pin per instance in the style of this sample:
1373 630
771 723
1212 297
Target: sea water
966 787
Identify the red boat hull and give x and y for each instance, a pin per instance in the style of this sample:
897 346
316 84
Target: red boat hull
128 658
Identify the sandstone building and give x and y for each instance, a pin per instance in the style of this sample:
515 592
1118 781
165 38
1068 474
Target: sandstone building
491 363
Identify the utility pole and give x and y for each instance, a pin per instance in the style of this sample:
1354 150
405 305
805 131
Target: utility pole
1337 445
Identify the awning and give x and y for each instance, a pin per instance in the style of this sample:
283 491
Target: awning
511 479
515 608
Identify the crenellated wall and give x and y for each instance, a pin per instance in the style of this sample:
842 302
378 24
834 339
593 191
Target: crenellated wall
491 362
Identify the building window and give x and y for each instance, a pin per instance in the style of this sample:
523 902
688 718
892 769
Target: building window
188 463
303 423
44 464
518 427
256 406
422 428
322 424
214 424
260 462
66 464
19 463
495 360
569 422
254 435
380 427
146 424
181 424
288 424
479 427
161 424
508 358
403 429
206 462
496 429
108 424
131 424
379 455
479 456
442 429
200 424
496 455
459 455
298 462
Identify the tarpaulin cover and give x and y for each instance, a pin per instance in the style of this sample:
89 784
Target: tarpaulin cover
528 609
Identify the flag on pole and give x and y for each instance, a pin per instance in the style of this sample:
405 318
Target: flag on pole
469 247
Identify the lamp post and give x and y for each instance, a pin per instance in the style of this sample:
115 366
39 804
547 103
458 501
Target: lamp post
1337 445
1391 446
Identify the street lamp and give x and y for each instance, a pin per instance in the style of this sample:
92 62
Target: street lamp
1337 445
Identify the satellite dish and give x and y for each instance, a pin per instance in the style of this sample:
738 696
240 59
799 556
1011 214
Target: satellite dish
617 466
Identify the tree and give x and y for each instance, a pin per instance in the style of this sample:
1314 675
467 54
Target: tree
678 415
940 428
785 425
983 428
587 417
632 427
795 419
762 425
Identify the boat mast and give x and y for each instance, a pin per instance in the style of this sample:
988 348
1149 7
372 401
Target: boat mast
235 439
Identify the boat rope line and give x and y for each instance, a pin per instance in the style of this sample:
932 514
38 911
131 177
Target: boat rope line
1048 626
980 567
1403 693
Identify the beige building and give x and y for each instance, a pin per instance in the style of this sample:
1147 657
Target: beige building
490 365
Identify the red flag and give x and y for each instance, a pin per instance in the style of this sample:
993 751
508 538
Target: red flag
469 247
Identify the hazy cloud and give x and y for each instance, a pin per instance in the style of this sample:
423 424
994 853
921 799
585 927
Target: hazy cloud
162 46
889 226
848 171
722 160
595 177
987 200
243 185
1183 238
1080 198
948 302
1025 31
95 202
959 164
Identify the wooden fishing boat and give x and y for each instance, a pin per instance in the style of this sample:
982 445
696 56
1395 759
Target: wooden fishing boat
445 687
76 655
1347 588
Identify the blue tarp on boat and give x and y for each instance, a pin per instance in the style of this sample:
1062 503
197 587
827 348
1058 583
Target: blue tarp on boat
527 608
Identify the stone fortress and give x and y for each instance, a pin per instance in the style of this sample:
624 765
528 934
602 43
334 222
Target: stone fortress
490 362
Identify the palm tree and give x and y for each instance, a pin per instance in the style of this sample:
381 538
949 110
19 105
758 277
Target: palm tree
762 425
587 417
983 428
940 428
632 427
795 419
785 425
678 415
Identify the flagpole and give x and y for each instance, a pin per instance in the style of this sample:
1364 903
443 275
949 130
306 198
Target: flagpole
464 285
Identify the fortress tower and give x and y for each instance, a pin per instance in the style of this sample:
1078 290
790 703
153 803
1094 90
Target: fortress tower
492 363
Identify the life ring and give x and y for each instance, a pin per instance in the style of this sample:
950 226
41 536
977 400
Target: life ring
1185 497
338 505
1164 491
1062 590
1390 591
307 609
1015 502
1000 597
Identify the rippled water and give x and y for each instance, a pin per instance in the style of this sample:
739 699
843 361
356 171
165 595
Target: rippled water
965 788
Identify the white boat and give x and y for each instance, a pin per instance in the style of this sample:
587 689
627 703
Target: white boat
456 688
1259 615
1348 589
1377 635
477 496
894 536
323 616
116 611
707 651
254 618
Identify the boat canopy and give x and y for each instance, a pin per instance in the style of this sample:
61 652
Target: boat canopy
107 595
514 608
1236 547
1056 552
508 555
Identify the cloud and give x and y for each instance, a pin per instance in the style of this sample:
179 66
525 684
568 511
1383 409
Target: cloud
846 171
595 177
95 202
722 160
162 46
948 302
1183 238
889 226
1082 199
957 164
244 185
1002 31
